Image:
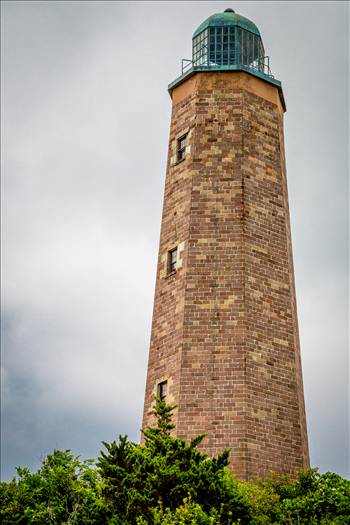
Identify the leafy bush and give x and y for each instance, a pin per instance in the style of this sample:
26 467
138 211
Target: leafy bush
188 513
310 499
64 490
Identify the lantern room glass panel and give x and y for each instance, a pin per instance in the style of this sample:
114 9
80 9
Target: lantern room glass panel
227 46
200 49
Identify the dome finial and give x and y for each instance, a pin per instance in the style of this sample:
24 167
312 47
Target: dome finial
229 10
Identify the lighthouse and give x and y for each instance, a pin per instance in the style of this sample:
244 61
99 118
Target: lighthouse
224 340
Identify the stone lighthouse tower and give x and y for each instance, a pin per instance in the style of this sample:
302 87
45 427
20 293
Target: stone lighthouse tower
224 343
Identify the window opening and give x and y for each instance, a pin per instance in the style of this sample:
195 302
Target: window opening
162 389
181 147
172 259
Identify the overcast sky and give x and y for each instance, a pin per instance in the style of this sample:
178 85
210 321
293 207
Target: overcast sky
85 122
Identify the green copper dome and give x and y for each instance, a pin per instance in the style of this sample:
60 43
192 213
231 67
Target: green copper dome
227 18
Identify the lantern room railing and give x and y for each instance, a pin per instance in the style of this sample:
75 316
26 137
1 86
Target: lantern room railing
262 65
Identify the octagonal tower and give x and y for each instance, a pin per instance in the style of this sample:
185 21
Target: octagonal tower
224 343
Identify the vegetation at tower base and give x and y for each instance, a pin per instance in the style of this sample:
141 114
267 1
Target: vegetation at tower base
166 481
164 472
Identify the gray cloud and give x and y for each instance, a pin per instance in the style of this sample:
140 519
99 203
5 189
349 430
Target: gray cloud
85 129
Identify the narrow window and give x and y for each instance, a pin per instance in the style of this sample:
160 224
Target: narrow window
162 390
172 259
181 148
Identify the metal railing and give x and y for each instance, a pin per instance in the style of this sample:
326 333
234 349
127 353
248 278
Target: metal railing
186 65
262 65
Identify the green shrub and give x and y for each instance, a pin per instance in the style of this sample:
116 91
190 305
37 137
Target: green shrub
166 471
64 490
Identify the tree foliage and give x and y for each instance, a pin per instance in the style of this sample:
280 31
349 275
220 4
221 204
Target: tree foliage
64 490
164 472
310 499
166 481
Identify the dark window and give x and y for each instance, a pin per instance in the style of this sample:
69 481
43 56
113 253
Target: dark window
162 390
172 259
181 147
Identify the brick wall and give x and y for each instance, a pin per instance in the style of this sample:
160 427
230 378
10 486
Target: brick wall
224 331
